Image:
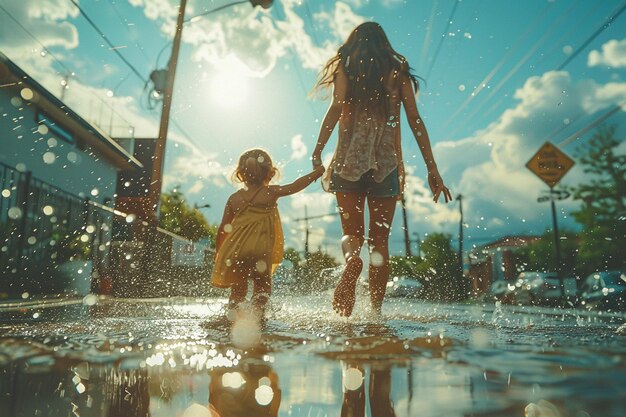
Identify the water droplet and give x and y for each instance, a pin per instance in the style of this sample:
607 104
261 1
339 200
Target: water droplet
84 238
90 229
32 240
42 129
461 87
376 259
228 228
95 192
260 159
14 213
261 266
25 295
90 299
130 218
72 157
52 142
21 167
49 157
568 49
27 93
6 193
16 101
264 395
352 379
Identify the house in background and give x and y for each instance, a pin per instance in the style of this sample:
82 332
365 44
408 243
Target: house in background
496 261
58 177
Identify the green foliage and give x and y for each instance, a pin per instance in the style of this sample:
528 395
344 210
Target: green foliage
401 266
440 271
308 272
603 206
541 255
179 217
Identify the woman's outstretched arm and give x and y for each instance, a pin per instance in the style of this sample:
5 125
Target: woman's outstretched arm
333 113
423 141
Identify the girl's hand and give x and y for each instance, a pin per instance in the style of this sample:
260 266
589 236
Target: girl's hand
437 186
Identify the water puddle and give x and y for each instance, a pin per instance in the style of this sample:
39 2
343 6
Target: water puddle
183 358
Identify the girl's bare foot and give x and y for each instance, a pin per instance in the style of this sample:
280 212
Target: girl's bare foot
344 297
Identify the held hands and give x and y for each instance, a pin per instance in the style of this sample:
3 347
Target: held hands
317 161
437 187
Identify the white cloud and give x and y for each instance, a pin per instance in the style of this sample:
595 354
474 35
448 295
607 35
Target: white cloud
298 147
252 35
489 167
613 54
44 19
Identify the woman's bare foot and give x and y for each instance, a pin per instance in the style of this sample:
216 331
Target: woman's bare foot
344 298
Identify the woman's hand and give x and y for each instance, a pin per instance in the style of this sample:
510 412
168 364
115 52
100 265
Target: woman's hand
437 187
317 160
402 179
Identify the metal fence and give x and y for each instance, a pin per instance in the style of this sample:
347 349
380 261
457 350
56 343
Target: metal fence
43 227
53 241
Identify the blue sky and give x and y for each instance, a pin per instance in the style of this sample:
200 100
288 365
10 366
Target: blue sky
492 94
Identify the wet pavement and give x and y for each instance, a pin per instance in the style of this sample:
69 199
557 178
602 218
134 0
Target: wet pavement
182 357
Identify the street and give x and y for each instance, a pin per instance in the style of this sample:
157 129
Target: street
172 357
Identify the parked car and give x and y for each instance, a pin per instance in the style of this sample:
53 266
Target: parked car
604 290
503 291
543 288
404 287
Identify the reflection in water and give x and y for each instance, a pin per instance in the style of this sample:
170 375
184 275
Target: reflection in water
121 358
353 404
250 389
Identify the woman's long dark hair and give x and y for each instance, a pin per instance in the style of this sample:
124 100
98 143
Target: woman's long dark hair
369 61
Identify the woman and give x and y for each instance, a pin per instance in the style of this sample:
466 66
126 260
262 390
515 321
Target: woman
370 82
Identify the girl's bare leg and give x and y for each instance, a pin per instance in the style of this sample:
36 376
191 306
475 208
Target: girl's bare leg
381 211
262 289
351 207
238 293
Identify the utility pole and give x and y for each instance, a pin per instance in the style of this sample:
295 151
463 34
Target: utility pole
306 238
460 198
557 243
156 179
407 240
306 219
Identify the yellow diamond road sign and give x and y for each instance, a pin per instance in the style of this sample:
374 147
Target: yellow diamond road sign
550 164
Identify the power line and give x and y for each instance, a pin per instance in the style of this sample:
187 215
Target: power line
591 125
594 35
44 48
106 39
531 29
124 23
443 37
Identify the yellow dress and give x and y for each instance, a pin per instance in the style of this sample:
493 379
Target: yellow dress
257 236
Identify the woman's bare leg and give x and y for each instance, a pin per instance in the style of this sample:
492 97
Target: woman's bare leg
381 211
351 206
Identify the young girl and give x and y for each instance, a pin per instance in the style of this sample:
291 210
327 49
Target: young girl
250 237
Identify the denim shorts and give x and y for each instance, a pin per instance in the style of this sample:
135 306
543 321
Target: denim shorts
389 187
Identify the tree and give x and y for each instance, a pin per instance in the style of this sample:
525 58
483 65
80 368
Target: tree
603 206
401 266
178 217
541 256
439 271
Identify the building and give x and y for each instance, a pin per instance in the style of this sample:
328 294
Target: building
58 176
496 261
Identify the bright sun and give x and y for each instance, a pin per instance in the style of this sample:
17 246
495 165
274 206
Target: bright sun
229 89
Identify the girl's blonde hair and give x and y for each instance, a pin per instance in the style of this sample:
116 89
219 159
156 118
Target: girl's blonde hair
255 167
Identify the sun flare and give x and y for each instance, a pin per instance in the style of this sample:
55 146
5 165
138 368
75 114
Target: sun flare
229 89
